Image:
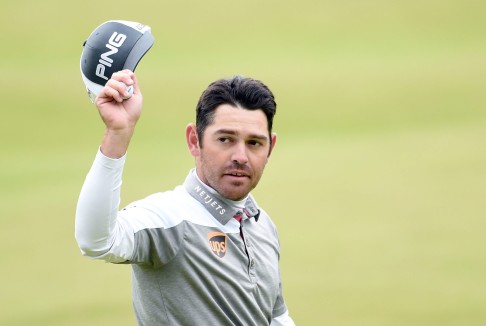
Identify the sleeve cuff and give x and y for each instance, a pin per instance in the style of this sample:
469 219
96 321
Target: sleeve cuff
109 162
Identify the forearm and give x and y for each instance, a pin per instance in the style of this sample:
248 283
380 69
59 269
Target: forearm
115 142
98 206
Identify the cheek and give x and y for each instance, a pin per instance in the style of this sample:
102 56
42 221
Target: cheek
211 163
260 160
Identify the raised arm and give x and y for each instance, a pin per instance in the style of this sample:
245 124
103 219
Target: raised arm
98 204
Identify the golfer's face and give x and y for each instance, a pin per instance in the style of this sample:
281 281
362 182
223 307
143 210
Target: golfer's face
235 151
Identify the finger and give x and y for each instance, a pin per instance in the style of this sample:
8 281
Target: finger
120 87
124 76
111 92
127 78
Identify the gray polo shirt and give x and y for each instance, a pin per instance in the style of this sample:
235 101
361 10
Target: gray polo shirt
191 265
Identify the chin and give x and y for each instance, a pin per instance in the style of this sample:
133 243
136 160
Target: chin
234 194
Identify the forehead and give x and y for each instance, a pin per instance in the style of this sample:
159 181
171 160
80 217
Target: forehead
233 118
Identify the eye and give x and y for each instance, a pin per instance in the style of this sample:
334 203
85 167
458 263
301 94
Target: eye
223 139
254 143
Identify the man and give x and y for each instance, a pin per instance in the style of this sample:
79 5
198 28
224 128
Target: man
203 253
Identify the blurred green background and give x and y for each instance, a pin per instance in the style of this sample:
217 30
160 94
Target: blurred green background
377 183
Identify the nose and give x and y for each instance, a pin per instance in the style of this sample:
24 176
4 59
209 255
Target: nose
239 154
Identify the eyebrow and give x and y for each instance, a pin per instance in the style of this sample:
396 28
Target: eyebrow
234 133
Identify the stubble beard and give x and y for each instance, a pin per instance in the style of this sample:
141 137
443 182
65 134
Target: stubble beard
234 190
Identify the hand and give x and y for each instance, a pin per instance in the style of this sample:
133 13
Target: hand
119 112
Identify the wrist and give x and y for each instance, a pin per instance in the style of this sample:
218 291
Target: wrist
115 142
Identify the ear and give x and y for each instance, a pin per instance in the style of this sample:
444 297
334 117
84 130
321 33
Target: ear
274 141
192 140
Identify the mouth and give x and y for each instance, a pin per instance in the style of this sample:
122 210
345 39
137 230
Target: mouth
237 174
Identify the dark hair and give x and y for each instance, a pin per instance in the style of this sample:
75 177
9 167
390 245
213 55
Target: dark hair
247 93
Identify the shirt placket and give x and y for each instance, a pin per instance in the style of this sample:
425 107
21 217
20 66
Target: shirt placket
247 244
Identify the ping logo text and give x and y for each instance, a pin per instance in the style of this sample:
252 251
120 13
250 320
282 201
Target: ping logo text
116 40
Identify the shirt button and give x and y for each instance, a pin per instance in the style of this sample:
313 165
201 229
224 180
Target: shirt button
252 263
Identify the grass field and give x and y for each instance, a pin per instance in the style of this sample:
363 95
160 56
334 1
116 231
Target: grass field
377 183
